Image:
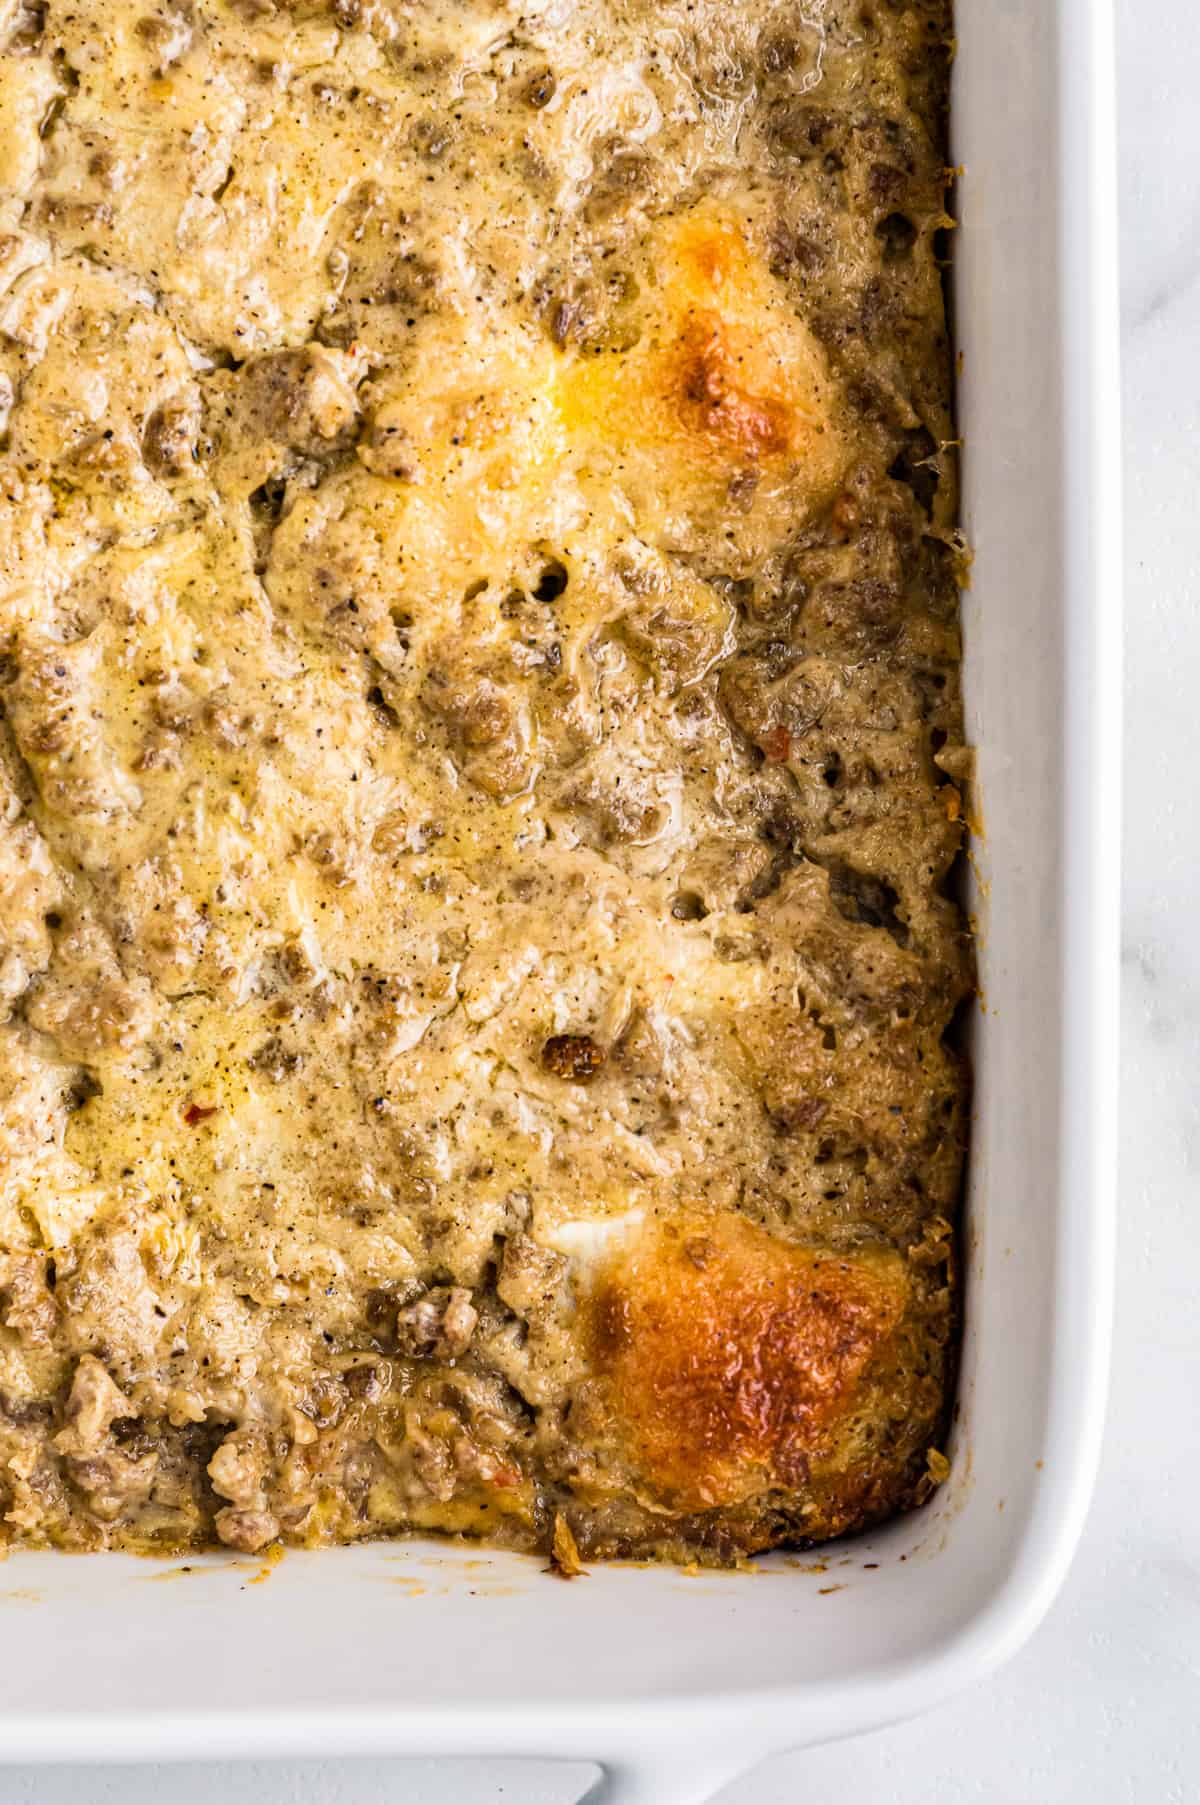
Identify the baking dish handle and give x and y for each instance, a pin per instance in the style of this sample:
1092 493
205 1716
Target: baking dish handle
681 1779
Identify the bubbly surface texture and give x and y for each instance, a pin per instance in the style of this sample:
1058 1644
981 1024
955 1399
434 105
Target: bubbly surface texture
481 772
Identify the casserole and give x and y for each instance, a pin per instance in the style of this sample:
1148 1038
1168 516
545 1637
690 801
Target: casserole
498 876
681 1681
500 881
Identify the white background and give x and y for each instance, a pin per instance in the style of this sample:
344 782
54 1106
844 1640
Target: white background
1104 1706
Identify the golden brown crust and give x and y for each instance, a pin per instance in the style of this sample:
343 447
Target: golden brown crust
713 403
731 1356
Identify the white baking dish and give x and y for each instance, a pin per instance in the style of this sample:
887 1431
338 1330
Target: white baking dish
679 1682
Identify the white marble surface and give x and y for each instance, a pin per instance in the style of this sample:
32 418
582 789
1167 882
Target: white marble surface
1104 1706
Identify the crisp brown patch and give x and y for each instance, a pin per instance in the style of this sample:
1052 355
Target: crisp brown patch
712 400
724 380
727 1375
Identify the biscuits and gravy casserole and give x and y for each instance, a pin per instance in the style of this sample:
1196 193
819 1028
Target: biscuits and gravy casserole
482 764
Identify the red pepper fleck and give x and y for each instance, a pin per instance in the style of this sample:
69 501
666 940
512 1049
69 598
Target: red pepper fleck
197 1112
778 745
